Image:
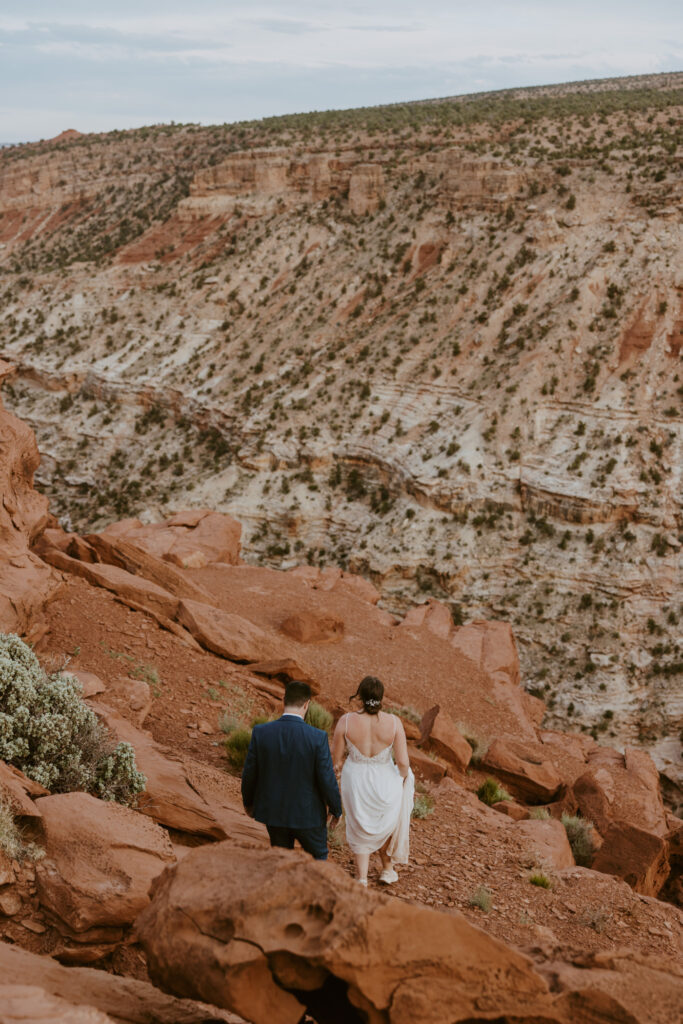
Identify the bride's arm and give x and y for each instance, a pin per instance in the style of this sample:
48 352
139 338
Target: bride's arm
338 742
401 750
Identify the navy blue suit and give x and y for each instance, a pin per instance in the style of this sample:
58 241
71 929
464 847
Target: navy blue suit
288 783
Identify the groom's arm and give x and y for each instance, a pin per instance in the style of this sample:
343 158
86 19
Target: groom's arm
250 776
326 779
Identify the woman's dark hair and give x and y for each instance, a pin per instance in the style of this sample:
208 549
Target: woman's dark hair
370 692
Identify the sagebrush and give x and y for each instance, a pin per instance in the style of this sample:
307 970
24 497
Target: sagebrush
53 737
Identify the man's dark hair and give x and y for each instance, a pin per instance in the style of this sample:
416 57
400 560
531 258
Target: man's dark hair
296 694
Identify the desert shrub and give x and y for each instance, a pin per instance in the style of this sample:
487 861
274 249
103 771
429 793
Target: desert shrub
479 745
481 897
540 879
236 746
408 713
539 814
50 734
581 836
319 717
10 837
491 792
423 806
227 723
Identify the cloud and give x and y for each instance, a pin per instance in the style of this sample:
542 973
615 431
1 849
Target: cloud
120 64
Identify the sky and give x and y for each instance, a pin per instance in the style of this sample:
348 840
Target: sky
99 65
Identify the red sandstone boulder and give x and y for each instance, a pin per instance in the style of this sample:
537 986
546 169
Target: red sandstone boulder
518 812
533 782
284 670
168 798
121 552
547 840
313 628
439 734
88 991
331 578
262 932
26 582
491 646
620 794
228 635
89 683
641 858
431 769
100 861
19 791
190 539
431 615
31 1004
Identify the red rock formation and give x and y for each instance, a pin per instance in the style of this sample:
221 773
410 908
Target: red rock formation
26 583
100 860
620 794
270 933
90 996
189 539
168 798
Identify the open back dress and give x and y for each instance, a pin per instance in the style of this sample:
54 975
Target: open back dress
377 802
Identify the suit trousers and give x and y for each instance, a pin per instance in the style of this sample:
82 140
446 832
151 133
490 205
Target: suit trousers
312 840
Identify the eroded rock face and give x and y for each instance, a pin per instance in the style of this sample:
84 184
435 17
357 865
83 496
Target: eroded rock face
168 798
80 995
535 781
100 861
189 539
26 582
269 933
620 794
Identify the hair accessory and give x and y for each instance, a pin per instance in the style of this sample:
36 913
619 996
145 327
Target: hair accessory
372 703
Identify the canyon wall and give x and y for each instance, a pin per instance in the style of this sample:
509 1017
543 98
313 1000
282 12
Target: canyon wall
443 353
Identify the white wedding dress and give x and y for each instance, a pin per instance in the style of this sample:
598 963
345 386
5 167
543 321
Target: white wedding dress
377 803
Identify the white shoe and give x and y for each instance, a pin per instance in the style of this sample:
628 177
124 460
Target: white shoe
389 876
362 881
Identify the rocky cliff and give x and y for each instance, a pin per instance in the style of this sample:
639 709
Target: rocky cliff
437 344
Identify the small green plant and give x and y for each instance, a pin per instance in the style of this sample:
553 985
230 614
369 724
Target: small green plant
479 745
539 814
540 879
228 723
236 746
481 898
491 792
335 838
11 841
581 836
423 806
410 714
319 717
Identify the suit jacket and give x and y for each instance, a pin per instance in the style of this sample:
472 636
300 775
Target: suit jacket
288 780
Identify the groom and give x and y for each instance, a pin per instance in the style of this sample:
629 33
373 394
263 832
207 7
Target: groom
288 781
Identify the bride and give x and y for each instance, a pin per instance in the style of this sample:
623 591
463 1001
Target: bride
377 793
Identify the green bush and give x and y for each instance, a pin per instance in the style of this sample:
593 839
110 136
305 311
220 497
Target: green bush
236 746
11 839
491 792
539 814
410 714
479 745
540 879
481 897
423 806
319 717
50 734
581 836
